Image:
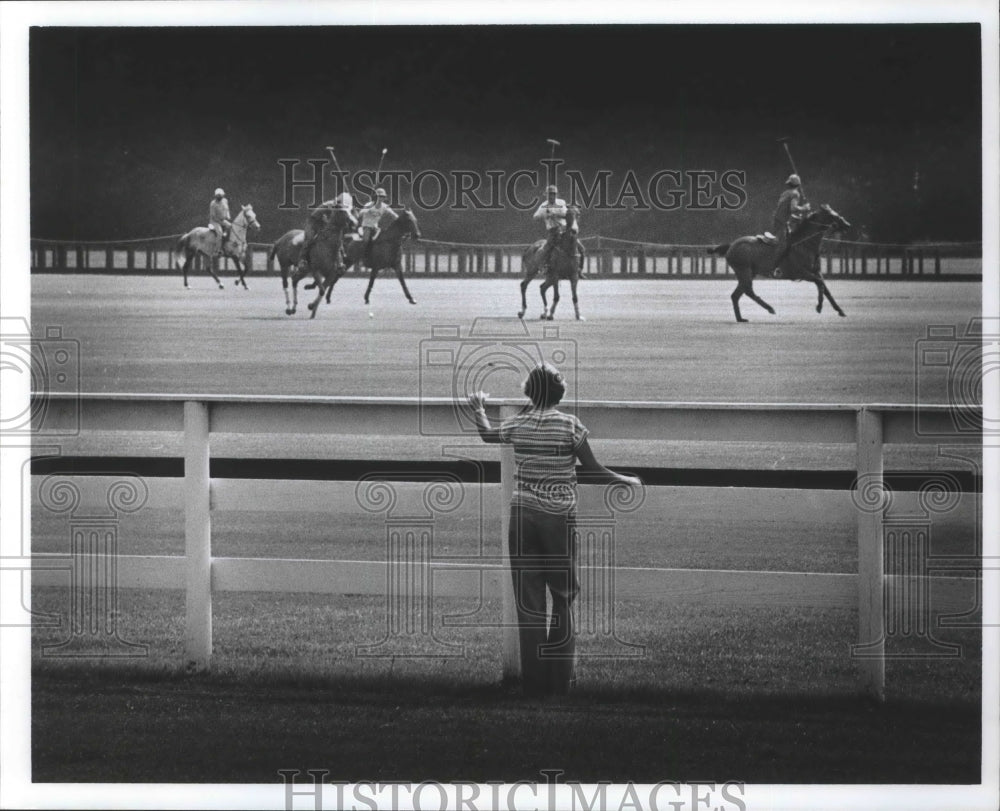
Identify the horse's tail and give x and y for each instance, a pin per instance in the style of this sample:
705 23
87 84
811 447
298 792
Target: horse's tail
271 254
179 249
720 250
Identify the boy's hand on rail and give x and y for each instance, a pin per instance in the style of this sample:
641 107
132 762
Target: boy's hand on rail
478 400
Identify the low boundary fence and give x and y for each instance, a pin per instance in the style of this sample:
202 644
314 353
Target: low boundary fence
606 258
875 594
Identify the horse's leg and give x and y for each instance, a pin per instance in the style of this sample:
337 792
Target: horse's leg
555 300
284 288
187 264
736 295
529 274
371 282
329 288
241 272
748 289
572 286
241 269
545 302
823 290
819 293
398 267
337 274
211 269
320 290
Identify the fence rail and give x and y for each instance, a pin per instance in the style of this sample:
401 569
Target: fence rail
606 257
868 427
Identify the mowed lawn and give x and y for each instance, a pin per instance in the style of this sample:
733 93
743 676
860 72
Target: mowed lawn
676 692
642 340
301 681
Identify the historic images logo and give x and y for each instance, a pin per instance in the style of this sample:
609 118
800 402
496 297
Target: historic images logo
502 189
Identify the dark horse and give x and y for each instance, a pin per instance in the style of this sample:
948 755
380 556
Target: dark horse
327 264
206 242
749 257
326 260
565 262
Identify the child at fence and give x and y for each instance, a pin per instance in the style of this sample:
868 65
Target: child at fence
541 536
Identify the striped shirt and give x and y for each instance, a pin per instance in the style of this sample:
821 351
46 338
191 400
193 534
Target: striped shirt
545 444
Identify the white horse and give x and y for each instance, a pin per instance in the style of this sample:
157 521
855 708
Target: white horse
206 241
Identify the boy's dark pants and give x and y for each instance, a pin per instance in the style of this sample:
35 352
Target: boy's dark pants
543 556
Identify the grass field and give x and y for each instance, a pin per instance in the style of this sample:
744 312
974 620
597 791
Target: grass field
763 695
642 340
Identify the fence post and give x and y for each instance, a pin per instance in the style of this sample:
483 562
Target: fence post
937 261
511 641
197 538
868 501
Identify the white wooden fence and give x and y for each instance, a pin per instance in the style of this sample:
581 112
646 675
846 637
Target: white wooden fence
199 574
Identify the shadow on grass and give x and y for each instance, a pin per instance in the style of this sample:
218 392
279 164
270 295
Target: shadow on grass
116 724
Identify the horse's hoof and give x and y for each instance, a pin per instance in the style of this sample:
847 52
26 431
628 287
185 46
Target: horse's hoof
222 287
521 314
841 313
549 317
412 301
580 318
742 320
312 306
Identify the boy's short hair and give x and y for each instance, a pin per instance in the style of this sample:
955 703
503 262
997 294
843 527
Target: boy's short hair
545 385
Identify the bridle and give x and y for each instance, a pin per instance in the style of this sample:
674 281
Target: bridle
821 233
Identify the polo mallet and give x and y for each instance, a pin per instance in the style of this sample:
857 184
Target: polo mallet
347 185
553 143
784 142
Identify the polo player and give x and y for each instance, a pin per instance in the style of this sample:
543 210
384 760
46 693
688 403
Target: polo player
792 207
335 213
553 213
371 215
218 216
